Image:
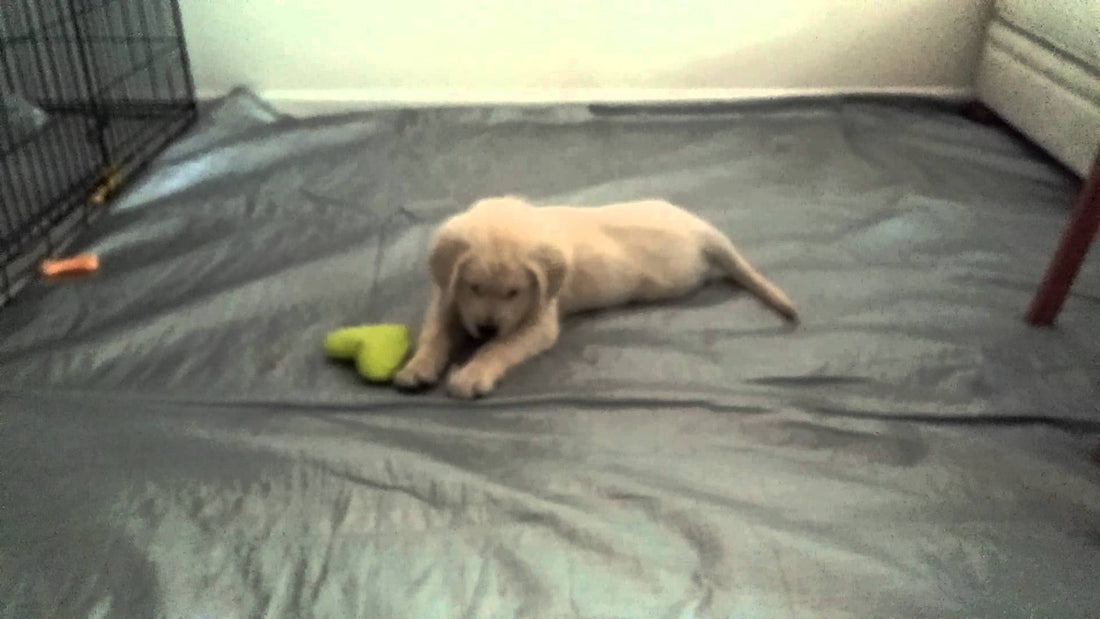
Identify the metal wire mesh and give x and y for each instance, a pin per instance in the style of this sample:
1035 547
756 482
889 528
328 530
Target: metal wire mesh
91 91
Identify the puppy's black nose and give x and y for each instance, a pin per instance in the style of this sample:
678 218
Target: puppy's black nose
486 330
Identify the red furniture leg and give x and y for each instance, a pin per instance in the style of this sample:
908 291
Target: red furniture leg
1072 249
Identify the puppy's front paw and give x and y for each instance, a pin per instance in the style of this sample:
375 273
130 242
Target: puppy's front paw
474 380
420 372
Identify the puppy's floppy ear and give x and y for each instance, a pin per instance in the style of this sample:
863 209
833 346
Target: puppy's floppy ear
447 248
547 265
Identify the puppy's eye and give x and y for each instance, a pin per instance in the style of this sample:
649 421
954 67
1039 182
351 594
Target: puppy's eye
511 293
474 288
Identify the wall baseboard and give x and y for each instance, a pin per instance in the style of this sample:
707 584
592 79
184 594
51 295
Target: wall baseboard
304 103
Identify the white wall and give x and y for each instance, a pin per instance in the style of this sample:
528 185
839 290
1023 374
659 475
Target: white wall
314 55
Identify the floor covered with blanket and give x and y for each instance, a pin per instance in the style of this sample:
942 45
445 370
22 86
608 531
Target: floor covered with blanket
173 442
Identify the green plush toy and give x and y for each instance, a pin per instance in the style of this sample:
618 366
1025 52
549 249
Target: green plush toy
377 350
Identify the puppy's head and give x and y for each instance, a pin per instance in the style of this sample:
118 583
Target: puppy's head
494 275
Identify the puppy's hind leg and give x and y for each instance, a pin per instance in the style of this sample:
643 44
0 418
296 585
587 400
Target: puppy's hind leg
722 253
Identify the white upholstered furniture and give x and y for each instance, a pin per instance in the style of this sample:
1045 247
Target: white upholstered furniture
1040 71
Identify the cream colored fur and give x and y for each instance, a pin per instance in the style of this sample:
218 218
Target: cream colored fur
515 268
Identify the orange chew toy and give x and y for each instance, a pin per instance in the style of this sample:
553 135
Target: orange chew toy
80 263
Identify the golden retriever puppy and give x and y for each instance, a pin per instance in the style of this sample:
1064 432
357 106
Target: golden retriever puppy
505 271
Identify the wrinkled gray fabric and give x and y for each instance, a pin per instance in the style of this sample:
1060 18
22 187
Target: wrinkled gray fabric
173 443
19 118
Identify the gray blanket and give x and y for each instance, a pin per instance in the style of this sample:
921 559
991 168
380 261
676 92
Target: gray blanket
174 444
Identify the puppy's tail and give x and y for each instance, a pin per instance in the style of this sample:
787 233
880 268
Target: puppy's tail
722 253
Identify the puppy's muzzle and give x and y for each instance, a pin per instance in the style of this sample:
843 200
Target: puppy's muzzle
486 331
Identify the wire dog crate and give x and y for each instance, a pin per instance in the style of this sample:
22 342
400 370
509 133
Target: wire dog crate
90 91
